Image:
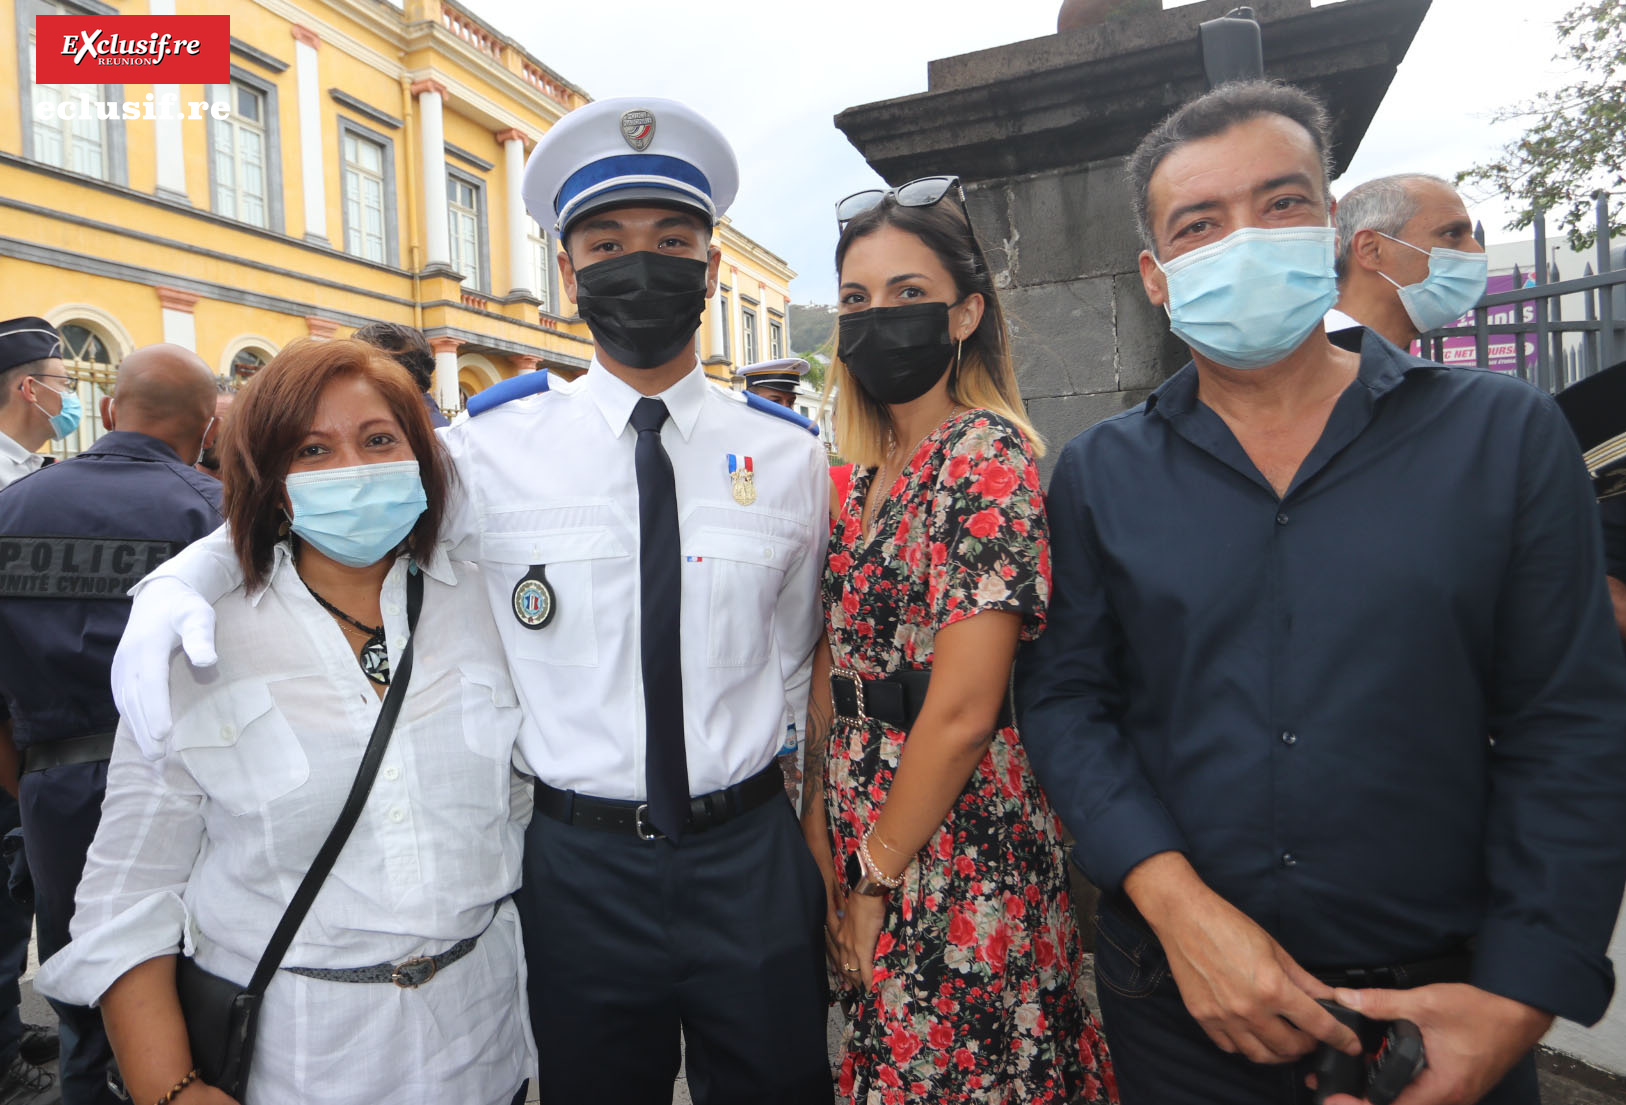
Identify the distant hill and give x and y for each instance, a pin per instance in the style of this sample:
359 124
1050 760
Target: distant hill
811 325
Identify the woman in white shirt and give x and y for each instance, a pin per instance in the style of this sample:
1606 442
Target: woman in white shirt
205 836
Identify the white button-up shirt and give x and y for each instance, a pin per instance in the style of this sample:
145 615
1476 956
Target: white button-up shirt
15 461
549 480
203 847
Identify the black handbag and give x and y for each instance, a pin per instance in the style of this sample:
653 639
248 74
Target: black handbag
221 1016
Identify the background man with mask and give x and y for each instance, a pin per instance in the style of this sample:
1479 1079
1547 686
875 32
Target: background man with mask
1408 262
38 402
73 539
209 460
651 546
1294 591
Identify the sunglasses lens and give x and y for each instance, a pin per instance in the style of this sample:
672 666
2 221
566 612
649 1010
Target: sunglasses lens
925 191
856 204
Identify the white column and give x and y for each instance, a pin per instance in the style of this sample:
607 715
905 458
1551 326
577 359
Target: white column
519 243
166 101
447 396
312 176
432 141
715 322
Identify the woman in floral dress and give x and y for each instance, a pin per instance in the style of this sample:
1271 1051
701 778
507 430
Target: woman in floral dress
949 920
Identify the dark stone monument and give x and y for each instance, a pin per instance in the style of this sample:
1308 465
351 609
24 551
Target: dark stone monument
1039 130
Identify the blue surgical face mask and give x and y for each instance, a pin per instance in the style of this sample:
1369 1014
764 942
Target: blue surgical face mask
1252 298
1455 282
356 515
66 420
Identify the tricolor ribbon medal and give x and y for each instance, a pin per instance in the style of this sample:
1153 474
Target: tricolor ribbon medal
743 473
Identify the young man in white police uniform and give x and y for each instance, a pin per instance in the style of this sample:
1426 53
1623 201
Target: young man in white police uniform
651 545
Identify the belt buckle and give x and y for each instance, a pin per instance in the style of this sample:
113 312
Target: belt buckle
641 826
858 690
404 976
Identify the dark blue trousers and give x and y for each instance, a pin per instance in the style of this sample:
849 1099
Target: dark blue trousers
1162 1056
631 945
16 926
61 808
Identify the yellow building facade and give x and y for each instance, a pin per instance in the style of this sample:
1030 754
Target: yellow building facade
367 169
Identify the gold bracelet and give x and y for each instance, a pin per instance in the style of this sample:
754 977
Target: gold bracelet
175 1090
874 870
881 840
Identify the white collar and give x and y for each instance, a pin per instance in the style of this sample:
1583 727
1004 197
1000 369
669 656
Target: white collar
615 398
437 568
11 450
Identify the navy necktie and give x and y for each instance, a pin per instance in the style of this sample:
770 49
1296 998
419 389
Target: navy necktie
660 566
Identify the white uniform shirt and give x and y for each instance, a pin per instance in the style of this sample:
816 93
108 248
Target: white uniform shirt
15 461
1336 320
205 845
550 480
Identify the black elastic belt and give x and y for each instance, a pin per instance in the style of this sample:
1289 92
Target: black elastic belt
614 815
894 700
1400 976
95 748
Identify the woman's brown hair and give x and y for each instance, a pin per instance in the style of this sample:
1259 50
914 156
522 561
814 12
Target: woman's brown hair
272 415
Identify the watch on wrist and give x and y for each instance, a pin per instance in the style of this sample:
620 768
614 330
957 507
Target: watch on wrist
868 887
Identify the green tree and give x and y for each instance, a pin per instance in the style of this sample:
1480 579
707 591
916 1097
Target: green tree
1575 143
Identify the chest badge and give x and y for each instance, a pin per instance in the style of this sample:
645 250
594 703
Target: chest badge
742 471
534 602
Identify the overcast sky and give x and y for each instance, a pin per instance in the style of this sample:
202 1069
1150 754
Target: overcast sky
772 73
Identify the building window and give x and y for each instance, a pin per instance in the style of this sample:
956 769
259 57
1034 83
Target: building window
364 194
85 357
722 304
239 157
748 335
776 340
541 263
247 363
463 214
78 144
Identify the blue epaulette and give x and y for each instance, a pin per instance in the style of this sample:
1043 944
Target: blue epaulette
768 406
515 387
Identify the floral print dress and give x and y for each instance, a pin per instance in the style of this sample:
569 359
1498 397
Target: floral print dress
977 992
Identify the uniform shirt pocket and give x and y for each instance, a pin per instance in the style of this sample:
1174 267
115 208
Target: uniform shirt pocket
745 572
240 749
568 559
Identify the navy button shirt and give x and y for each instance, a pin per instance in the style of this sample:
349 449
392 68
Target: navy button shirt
73 538
1382 714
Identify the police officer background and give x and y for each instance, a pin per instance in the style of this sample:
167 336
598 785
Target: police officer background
74 537
775 381
31 375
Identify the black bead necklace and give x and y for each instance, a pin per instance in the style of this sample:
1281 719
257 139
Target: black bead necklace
375 656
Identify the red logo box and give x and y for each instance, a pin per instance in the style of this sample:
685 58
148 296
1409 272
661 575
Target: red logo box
132 49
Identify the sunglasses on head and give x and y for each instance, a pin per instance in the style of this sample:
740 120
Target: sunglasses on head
917 193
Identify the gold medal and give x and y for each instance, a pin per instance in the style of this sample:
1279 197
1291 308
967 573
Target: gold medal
745 487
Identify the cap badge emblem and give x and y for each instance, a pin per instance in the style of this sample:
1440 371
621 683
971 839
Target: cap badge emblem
638 128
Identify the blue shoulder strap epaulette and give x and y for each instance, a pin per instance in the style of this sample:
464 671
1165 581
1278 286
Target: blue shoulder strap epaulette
768 406
515 387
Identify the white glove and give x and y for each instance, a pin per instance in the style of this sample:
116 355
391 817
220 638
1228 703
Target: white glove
164 614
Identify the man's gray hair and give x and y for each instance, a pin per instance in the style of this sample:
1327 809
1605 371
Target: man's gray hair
1218 111
1386 205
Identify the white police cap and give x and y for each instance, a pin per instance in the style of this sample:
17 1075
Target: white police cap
612 153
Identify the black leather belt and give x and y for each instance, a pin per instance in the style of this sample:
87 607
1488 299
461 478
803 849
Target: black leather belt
893 700
95 748
614 815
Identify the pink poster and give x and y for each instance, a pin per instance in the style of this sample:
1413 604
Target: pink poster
1501 353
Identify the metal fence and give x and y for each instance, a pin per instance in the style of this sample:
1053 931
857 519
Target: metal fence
1564 350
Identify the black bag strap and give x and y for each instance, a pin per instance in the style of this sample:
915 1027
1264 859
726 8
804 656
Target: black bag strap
294 915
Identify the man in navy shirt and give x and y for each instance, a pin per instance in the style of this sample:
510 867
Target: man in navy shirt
1330 694
74 537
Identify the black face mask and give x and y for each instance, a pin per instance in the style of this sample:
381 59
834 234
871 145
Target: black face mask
642 307
897 354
